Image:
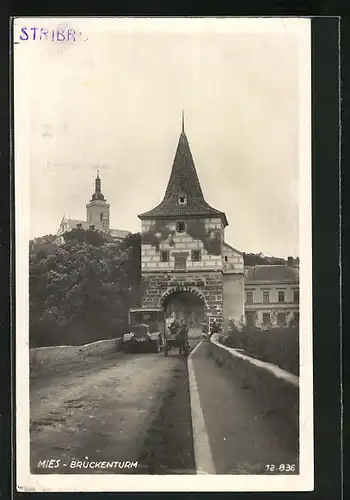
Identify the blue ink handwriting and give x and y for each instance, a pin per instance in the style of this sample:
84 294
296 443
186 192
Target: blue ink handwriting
59 34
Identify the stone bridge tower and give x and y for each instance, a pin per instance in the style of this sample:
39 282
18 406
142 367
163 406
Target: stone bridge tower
183 245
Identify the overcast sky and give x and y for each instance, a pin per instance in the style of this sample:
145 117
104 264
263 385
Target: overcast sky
113 99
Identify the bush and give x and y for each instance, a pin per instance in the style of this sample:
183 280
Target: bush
279 346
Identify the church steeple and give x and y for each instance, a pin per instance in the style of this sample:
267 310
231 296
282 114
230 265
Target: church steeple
97 210
183 195
97 195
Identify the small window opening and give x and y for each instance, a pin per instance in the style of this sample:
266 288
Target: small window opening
180 227
164 256
196 255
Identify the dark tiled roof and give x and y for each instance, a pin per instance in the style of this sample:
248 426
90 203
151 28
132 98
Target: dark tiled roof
115 233
272 273
183 182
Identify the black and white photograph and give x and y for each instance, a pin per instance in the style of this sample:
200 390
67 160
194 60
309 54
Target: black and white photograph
163 254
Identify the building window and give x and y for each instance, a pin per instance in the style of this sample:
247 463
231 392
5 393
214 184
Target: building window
296 296
182 200
266 318
225 258
250 297
180 227
266 296
180 261
250 318
101 215
281 319
196 255
281 297
164 256
296 317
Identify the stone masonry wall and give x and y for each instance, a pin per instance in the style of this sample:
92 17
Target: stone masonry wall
207 285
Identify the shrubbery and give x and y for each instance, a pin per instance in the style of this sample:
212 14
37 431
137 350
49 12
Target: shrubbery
279 346
82 291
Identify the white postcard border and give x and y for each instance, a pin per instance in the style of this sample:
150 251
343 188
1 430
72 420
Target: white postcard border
84 483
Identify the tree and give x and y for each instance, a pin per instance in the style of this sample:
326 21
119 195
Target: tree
82 291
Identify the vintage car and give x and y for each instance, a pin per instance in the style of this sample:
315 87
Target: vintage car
146 330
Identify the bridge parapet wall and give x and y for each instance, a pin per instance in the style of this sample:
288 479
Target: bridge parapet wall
277 390
57 355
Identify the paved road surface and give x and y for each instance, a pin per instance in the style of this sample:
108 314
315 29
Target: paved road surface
243 435
136 407
104 411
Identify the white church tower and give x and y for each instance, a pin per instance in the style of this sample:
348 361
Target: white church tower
97 210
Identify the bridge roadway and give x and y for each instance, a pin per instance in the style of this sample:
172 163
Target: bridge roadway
136 407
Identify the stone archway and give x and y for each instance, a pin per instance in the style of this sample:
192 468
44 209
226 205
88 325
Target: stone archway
187 304
176 290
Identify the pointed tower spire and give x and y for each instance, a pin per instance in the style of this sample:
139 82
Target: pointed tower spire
183 195
98 194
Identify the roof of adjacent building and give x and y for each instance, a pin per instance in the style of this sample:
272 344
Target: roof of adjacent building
272 273
231 248
184 182
115 233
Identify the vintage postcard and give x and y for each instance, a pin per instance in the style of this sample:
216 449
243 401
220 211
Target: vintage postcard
163 254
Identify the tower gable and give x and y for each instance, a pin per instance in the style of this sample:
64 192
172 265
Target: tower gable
178 245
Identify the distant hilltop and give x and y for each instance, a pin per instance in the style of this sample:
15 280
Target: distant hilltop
257 259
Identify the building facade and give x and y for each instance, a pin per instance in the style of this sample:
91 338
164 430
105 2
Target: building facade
272 296
186 266
97 218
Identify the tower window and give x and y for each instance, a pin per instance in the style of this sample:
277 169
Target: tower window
196 255
180 227
225 258
164 256
101 215
180 262
182 200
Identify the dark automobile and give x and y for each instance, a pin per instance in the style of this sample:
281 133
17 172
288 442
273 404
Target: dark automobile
146 331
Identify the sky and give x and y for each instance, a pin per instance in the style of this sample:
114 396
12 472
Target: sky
112 100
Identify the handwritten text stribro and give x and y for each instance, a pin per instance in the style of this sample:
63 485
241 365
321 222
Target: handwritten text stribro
59 34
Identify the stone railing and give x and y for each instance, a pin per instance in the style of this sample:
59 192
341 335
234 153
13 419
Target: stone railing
56 355
278 390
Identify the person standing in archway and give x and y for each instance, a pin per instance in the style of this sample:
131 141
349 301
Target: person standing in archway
204 329
182 336
214 329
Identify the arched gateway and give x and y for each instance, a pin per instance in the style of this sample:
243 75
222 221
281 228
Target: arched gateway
184 260
187 304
